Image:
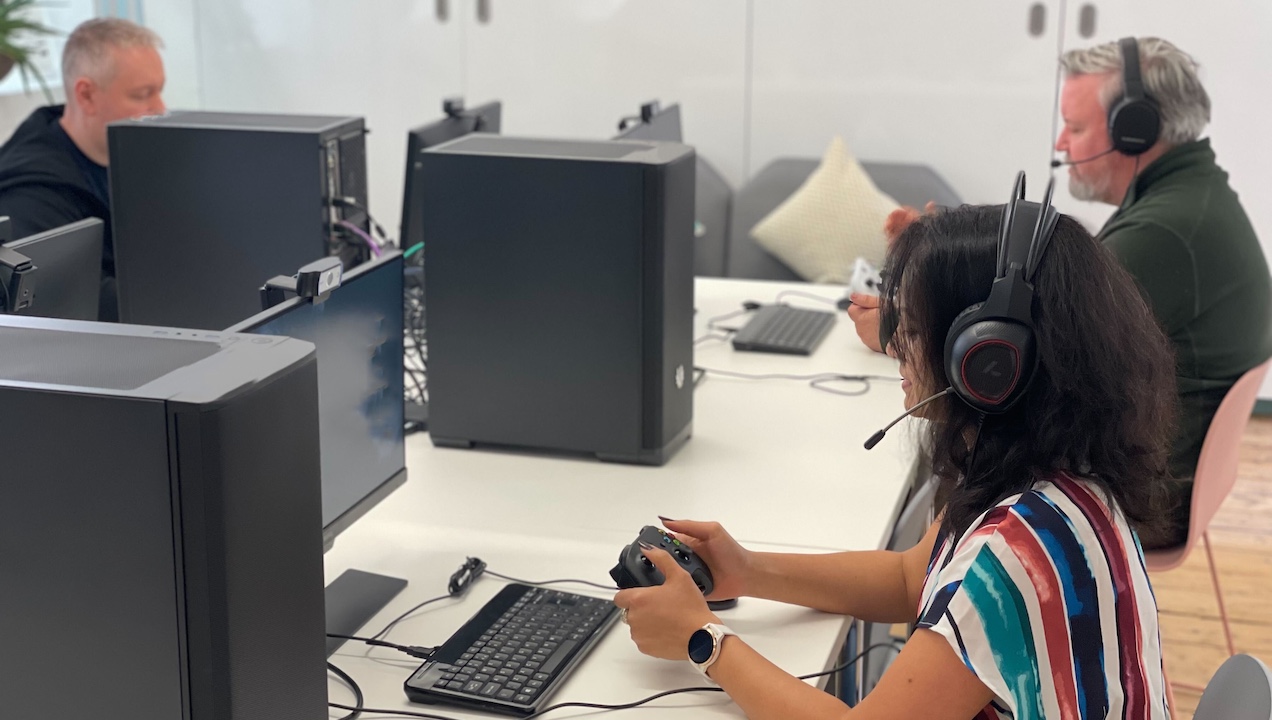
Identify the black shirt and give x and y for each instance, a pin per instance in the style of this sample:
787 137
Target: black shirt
47 182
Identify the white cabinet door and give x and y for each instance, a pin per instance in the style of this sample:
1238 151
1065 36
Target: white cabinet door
390 61
965 87
573 68
1229 40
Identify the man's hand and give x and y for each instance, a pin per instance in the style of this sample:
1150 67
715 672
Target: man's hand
864 312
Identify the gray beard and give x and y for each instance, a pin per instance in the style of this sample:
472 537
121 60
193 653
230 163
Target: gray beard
1086 191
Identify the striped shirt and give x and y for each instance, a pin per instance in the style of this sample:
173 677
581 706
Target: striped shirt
1047 601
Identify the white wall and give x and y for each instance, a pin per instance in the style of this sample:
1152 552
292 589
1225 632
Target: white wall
15 108
176 23
959 86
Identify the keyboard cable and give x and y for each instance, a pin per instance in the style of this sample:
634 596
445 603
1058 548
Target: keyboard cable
600 706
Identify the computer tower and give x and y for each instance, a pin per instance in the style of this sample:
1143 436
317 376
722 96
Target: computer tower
207 206
559 295
160 525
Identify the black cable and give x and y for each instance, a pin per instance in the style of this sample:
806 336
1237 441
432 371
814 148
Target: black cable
714 323
715 336
459 583
610 588
358 700
816 381
387 713
600 706
407 614
415 651
462 578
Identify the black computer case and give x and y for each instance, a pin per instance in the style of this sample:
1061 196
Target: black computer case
559 295
160 525
207 206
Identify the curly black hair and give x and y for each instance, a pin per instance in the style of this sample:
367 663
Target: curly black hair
1102 404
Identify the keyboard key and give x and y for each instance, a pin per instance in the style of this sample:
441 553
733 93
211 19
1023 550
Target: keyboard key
516 654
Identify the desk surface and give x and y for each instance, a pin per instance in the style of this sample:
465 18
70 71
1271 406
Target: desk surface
776 461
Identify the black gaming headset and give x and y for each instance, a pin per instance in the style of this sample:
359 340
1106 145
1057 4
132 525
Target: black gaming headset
1135 120
990 355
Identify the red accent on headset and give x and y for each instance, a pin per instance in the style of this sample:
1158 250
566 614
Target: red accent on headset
1006 393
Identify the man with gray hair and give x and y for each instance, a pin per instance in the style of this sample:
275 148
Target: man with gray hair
53 169
1180 230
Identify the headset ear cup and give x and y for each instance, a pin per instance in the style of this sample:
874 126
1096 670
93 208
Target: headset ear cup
1134 126
961 322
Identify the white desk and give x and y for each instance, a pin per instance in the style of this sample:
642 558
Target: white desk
777 462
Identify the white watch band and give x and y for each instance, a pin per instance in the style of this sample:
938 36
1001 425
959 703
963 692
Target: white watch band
718 634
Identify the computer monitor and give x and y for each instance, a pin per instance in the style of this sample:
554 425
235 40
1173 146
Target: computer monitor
654 124
68 270
457 123
357 332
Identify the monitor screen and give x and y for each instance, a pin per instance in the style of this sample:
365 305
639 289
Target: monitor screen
486 118
663 126
357 332
68 270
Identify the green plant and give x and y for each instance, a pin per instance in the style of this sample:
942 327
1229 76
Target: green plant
16 30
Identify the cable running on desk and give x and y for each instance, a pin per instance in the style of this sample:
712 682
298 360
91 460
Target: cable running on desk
600 706
817 381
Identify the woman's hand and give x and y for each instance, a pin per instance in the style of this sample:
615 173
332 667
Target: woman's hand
864 312
663 617
729 562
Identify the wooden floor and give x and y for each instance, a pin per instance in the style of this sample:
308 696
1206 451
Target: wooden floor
1241 536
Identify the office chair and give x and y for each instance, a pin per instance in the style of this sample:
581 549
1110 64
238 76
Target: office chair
1216 474
1240 690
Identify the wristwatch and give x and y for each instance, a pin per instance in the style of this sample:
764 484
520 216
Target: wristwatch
705 644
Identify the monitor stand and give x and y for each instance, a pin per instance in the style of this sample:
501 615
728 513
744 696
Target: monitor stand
353 599
416 416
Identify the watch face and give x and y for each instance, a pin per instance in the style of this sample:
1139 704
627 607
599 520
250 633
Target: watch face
701 643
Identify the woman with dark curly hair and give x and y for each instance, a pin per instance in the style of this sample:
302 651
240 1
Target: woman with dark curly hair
1029 592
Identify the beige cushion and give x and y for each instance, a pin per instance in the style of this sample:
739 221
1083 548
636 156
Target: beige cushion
835 217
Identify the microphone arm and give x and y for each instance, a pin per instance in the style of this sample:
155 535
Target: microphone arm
874 439
1061 163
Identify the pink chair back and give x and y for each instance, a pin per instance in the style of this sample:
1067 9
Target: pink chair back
1217 466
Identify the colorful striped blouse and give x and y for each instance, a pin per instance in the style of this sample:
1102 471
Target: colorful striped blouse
1047 600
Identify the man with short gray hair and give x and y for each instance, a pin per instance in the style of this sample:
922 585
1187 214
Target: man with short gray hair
1133 139
53 168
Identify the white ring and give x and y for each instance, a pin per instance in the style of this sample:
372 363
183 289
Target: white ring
623 616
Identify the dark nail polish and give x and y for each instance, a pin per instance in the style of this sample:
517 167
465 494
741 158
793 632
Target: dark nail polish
666 519
646 545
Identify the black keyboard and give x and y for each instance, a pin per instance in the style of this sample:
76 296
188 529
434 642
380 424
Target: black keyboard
784 329
515 652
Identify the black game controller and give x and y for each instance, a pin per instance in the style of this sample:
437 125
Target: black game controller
636 570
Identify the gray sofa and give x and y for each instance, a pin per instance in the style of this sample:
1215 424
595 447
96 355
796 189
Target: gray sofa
723 246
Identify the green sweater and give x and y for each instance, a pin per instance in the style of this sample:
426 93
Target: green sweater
1184 236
